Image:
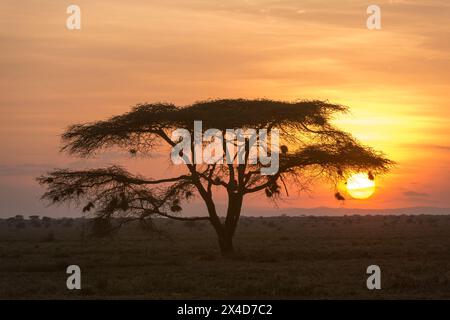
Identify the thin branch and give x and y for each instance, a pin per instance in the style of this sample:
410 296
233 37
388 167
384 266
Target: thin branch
183 218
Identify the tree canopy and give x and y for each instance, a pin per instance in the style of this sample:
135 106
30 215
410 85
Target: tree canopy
309 142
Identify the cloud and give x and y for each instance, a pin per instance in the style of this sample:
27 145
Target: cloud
25 169
414 194
427 146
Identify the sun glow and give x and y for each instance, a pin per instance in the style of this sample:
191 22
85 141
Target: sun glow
359 186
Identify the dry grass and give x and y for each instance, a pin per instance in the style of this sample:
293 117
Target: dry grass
304 257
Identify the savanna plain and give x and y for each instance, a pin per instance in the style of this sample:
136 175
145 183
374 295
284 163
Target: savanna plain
305 257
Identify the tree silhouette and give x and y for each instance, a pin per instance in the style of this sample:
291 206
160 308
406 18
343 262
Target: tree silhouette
309 144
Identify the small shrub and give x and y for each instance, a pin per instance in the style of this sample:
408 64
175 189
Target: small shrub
46 222
21 225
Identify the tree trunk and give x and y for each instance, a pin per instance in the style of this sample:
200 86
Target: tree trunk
225 231
226 244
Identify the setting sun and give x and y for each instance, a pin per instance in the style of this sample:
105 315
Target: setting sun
359 186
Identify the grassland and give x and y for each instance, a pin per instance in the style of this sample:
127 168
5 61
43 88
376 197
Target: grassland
279 257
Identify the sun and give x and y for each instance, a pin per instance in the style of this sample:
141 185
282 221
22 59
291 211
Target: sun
359 186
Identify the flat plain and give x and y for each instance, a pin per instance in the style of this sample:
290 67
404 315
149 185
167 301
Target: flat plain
283 257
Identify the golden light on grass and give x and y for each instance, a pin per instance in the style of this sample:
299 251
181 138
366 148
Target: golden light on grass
359 186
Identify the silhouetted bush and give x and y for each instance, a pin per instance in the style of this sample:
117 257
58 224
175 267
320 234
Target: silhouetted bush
46 221
34 221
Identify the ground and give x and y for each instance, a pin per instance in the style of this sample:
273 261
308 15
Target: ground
280 257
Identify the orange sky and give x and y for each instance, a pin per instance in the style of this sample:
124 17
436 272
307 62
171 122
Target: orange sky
396 80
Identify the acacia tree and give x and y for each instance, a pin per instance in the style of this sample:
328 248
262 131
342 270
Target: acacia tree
309 144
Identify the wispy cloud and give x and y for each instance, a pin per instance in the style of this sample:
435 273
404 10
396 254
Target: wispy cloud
396 81
415 194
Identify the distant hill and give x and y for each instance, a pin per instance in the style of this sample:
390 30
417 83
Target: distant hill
325 211
292 212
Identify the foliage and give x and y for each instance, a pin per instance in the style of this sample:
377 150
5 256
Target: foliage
310 143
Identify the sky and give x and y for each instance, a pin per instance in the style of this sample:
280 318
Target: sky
396 81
